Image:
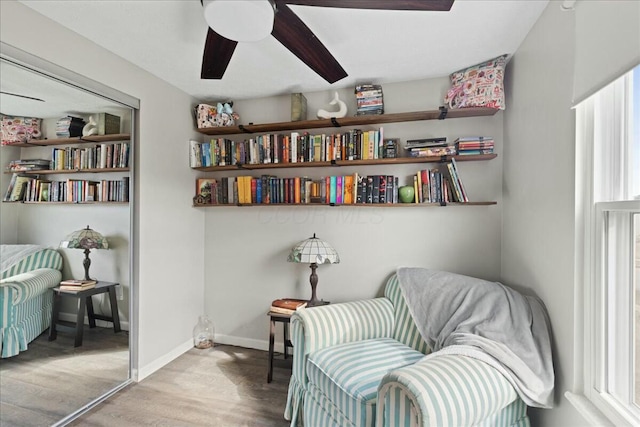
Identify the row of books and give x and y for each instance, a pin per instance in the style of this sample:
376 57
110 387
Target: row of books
68 127
266 189
76 285
34 189
369 99
439 185
287 305
28 165
294 148
97 157
474 145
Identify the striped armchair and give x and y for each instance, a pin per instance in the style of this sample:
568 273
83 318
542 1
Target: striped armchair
363 364
25 296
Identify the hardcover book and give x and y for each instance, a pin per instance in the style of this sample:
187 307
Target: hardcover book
287 305
77 282
74 288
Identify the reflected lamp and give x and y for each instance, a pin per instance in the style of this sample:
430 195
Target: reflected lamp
86 239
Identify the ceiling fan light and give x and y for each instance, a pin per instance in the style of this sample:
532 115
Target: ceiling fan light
240 20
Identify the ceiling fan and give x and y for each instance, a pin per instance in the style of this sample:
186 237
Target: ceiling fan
253 20
21 96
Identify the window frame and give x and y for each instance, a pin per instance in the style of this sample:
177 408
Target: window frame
591 373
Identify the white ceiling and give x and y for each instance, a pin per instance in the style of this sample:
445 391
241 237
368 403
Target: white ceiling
167 38
55 99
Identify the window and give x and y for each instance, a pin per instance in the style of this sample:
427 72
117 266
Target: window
608 215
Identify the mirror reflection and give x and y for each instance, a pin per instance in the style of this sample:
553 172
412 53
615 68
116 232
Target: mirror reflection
65 236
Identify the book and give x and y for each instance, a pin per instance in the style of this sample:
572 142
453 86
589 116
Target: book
77 288
17 188
77 282
433 151
426 142
287 305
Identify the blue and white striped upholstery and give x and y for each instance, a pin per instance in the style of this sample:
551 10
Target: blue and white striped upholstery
349 374
44 258
319 327
446 390
26 299
404 329
363 363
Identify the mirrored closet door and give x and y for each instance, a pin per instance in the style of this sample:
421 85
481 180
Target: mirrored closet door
71 151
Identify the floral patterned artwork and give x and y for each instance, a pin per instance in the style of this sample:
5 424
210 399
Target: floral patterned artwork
478 86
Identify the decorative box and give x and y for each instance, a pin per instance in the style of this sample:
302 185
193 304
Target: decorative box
18 130
108 124
298 107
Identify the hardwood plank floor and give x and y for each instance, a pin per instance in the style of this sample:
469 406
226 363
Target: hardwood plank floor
52 379
222 386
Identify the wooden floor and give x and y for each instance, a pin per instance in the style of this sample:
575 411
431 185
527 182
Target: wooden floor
221 386
52 379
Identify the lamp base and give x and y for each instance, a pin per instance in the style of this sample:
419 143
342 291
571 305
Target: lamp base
317 303
313 279
86 263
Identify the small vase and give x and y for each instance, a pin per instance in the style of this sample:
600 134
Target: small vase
203 333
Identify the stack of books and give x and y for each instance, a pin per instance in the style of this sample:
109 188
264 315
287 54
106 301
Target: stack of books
69 127
28 165
287 305
440 184
369 99
474 145
429 147
76 285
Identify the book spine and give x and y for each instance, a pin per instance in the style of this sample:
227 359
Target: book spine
383 189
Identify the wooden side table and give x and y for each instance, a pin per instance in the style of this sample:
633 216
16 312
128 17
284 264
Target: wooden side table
284 318
85 300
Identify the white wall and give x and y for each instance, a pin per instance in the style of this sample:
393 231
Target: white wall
246 248
538 198
168 263
8 211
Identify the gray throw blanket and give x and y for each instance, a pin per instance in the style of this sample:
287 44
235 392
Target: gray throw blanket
485 320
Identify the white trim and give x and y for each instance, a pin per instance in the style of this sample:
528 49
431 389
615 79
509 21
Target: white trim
587 409
26 60
600 122
163 360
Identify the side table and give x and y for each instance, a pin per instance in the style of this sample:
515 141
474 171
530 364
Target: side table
278 317
85 300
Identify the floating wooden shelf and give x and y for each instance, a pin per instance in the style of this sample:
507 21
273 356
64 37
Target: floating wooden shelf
356 205
340 163
75 140
68 203
67 171
373 119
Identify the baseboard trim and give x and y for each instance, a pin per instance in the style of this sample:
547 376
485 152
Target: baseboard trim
161 361
71 317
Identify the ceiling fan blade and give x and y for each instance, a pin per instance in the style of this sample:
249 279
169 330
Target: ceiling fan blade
435 5
22 96
217 54
289 30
